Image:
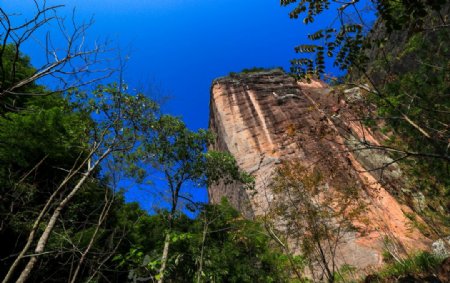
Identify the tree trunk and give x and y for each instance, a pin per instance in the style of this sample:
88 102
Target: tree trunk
286 251
38 220
164 258
42 242
200 269
40 247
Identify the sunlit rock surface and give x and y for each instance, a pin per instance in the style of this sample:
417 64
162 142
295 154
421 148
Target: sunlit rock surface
267 117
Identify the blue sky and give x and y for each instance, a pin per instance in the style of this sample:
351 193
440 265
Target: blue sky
179 46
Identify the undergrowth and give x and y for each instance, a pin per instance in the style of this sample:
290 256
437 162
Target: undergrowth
420 264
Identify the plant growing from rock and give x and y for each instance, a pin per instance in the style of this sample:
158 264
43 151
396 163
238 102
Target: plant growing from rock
312 217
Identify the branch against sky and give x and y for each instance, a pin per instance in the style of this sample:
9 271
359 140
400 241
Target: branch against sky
67 59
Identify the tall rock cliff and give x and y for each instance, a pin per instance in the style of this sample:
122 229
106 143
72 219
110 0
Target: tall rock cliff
266 118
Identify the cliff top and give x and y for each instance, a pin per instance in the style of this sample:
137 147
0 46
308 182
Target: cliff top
251 73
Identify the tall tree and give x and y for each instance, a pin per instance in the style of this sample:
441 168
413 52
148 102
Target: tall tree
180 155
314 216
122 120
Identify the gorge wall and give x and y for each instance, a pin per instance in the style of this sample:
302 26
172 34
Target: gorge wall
266 118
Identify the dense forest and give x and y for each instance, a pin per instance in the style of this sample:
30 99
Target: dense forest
73 136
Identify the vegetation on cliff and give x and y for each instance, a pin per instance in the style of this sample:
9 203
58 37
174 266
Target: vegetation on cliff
396 54
401 64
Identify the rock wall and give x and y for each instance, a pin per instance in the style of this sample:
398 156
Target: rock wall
266 118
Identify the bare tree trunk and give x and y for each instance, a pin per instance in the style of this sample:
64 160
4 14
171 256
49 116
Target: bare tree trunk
323 258
175 190
48 229
38 220
200 269
42 242
285 249
164 257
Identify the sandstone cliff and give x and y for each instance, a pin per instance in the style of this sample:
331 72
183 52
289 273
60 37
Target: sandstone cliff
266 118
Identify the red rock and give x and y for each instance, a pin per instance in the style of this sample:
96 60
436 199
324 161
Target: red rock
254 115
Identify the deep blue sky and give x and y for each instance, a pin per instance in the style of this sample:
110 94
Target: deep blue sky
180 46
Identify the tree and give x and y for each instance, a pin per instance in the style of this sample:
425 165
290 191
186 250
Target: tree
51 148
69 61
179 154
219 245
357 45
311 216
230 248
345 36
122 119
69 133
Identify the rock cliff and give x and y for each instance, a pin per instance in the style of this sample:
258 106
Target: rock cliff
266 118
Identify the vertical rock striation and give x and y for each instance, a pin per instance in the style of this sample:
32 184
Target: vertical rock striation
266 118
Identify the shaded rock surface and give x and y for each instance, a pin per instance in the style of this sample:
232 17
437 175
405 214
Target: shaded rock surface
266 118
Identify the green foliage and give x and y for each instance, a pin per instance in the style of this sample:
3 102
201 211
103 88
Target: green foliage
420 263
14 69
178 150
404 59
36 144
222 166
41 140
255 70
47 128
138 264
22 67
234 250
180 154
347 42
417 84
410 14
420 91
345 273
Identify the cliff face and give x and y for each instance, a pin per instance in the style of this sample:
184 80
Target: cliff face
266 118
